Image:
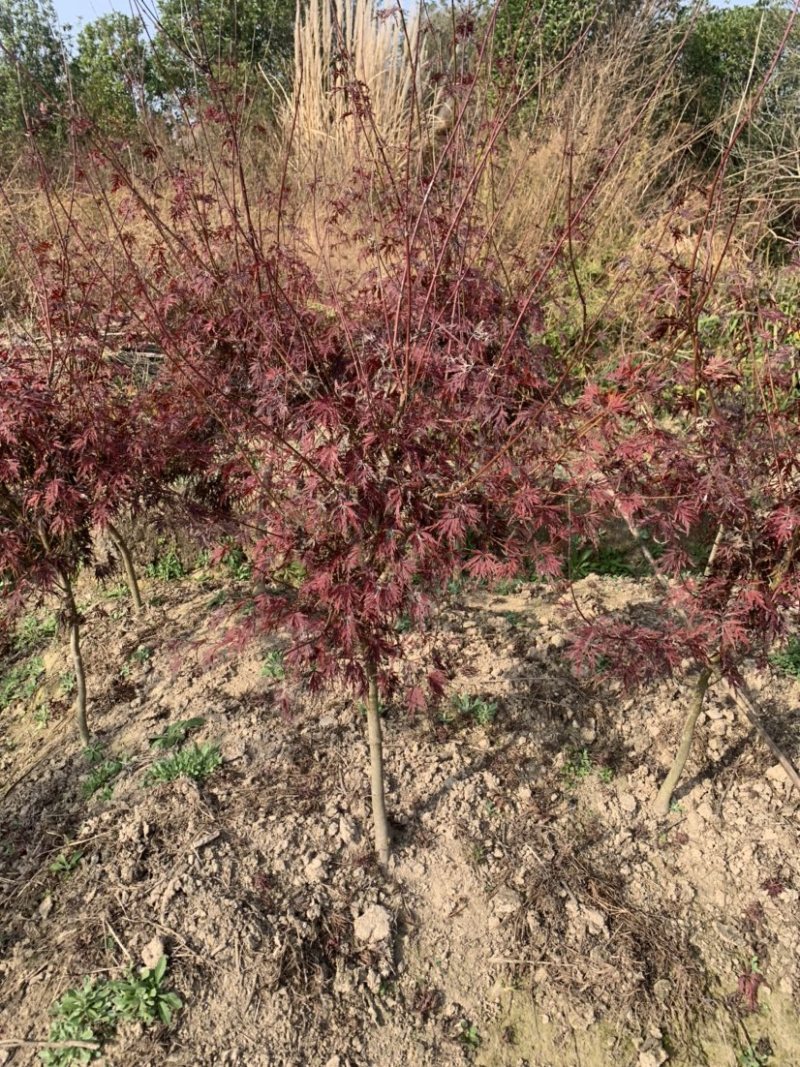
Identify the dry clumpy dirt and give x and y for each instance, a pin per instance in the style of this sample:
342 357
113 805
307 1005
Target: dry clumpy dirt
535 912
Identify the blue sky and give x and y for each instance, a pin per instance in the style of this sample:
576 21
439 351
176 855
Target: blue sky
80 11
75 11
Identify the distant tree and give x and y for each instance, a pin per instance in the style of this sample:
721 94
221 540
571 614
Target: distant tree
112 71
533 35
201 39
727 56
33 77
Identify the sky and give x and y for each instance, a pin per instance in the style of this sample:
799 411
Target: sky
76 12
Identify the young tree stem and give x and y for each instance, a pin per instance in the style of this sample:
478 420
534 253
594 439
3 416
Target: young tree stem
664 798
127 563
77 657
380 823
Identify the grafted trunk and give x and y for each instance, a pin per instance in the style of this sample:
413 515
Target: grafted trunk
664 798
127 563
77 658
379 820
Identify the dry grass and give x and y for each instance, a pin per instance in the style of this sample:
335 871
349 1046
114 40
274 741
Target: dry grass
598 131
360 88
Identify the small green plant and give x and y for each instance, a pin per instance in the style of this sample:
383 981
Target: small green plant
176 733
788 658
577 768
41 716
21 682
237 564
117 592
93 1012
603 559
33 632
93 753
508 586
292 574
67 684
101 776
65 862
757 1055
606 775
477 854
140 997
218 599
142 654
167 567
469 1035
482 711
273 667
196 762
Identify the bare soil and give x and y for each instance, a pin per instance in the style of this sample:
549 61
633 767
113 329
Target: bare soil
535 911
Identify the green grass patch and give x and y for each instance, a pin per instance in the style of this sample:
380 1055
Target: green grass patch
787 659
21 681
94 1011
196 762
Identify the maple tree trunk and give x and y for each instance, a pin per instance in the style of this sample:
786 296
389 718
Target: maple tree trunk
127 563
664 798
380 823
77 658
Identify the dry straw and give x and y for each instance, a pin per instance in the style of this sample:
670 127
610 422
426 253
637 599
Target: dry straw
360 86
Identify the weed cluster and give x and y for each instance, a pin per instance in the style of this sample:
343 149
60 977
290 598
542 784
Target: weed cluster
481 712
92 1013
21 681
580 765
102 775
167 567
787 659
196 762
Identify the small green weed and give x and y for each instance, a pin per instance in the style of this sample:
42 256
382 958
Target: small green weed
41 716
21 682
94 1012
33 632
218 599
469 1035
577 768
788 658
237 564
67 684
293 574
580 765
482 711
477 854
508 586
603 559
757 1055
142 654
117 592
197 763
101 776
273 667
65 862
167 567
176 733
93 753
